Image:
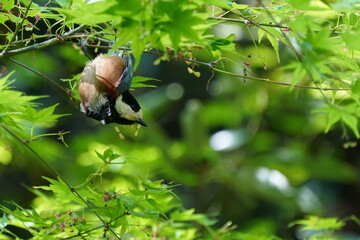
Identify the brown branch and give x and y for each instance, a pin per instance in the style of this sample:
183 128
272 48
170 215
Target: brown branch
44 44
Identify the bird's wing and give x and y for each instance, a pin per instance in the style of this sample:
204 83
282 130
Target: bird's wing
126 76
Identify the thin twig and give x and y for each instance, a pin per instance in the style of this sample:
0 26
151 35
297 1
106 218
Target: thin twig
57 174
279 83
40 74
212 67
246 22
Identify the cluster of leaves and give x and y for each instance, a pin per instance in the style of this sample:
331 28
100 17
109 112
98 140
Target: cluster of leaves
315 228
329 55
147 210
19 113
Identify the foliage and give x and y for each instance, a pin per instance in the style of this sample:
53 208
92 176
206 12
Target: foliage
17 110
272 167
148 210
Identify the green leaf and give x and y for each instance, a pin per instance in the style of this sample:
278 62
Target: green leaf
333 117
190 215
352 40
175 39
64 3
90 14
299 73
239 6
318 223
351 121
3 18
138 47
108 155
43 118
344 114
261 34
7 5
273 37
3 222
300 4
220 3
139 81
275 43
355 87
129 202
218 42
62 192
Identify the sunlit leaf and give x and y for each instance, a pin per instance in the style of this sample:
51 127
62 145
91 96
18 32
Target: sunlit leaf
352 40
317 223
351 121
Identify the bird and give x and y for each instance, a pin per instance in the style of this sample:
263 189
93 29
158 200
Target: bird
104 90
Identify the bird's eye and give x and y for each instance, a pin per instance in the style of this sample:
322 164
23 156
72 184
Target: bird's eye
133 107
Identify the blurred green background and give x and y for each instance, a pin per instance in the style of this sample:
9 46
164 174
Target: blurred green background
248 152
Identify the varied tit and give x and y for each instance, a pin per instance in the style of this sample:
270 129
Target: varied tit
104 91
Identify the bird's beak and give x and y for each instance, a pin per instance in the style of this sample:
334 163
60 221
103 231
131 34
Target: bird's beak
141 122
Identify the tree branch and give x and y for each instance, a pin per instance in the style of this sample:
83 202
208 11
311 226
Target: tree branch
44 44
277 82
212 67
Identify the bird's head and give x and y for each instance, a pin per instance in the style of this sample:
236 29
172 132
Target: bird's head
128 110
